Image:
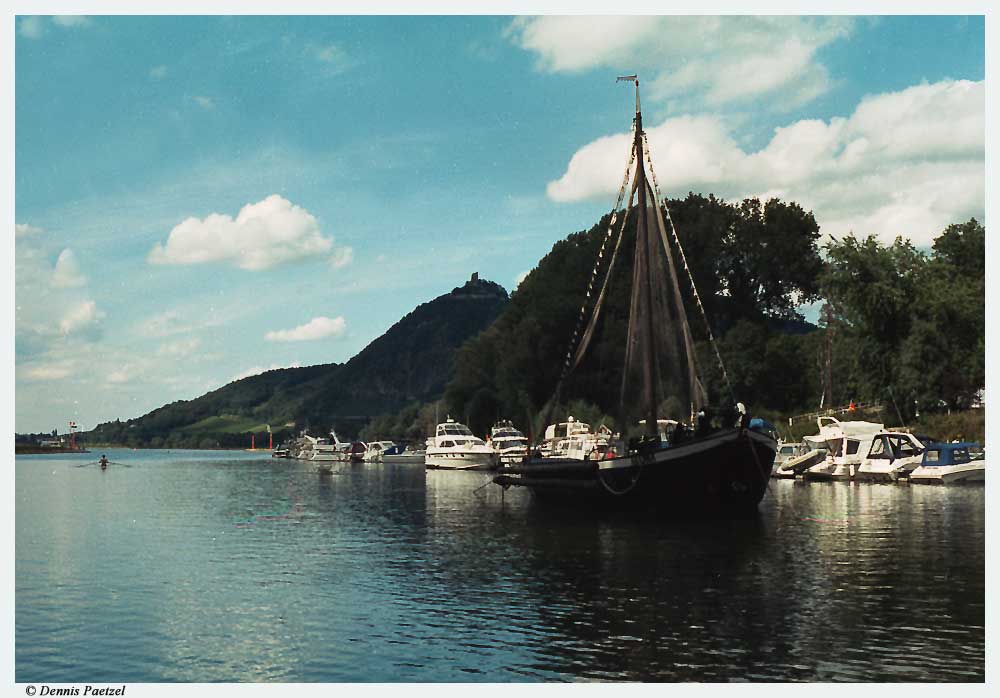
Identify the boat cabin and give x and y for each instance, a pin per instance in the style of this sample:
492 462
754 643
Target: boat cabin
566 429
894 445
942 454
452 428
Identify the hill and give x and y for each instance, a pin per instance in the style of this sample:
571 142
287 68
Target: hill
412 361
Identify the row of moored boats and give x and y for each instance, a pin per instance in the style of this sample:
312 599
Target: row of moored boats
455 447
868 452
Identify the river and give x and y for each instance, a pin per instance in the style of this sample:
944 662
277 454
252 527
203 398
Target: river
197 566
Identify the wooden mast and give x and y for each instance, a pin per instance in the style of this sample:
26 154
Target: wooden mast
645 277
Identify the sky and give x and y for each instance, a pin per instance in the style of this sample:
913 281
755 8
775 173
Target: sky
203 198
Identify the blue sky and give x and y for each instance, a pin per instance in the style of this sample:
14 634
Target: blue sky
379 161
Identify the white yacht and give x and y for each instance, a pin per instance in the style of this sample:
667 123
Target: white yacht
945 463
323 449
810 451
788 450
846 444
573 439
893 454
453 447
376 450
510 445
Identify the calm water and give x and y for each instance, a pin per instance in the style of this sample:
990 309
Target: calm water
209 566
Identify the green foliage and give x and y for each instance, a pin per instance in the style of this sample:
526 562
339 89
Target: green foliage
961 425
913 323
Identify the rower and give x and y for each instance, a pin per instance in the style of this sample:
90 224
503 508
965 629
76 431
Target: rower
104 462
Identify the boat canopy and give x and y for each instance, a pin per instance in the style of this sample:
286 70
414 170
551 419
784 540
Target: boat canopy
940 454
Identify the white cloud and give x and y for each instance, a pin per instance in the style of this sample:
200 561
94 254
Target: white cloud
71 20
48 309
120 375
171 322
714 60
67 272
904 163
204 102
80 316
158 72
49 371
179 348
317 328
334 58
31 27
341 257
263 235
521 277
24 230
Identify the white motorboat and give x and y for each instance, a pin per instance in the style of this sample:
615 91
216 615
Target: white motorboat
313 448
454 447
376 450
893 454
788 450
945 463
846 444
510 445
403 455
574 440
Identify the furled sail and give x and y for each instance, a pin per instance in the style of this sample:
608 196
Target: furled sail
660 379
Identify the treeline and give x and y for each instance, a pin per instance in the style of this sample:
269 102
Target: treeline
136 435
901 326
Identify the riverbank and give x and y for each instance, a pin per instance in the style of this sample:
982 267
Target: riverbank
24 449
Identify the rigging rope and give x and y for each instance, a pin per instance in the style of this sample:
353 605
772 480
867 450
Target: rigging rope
694 289
568 362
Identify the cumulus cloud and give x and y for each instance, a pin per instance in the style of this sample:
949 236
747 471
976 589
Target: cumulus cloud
24 230
70 20
904 163
67 272
50 308
317 328
204 102
31 27
263 235
48 371
713 60
341 257
158 72
79 316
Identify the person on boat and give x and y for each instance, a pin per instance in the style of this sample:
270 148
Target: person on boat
104 462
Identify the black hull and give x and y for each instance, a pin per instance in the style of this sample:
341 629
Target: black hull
723 474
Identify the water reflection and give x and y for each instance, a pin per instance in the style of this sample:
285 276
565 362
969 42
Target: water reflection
244 568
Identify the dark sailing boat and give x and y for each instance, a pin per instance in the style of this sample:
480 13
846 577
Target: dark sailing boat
698 469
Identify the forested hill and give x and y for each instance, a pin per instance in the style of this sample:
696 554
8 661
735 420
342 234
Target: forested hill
412 361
